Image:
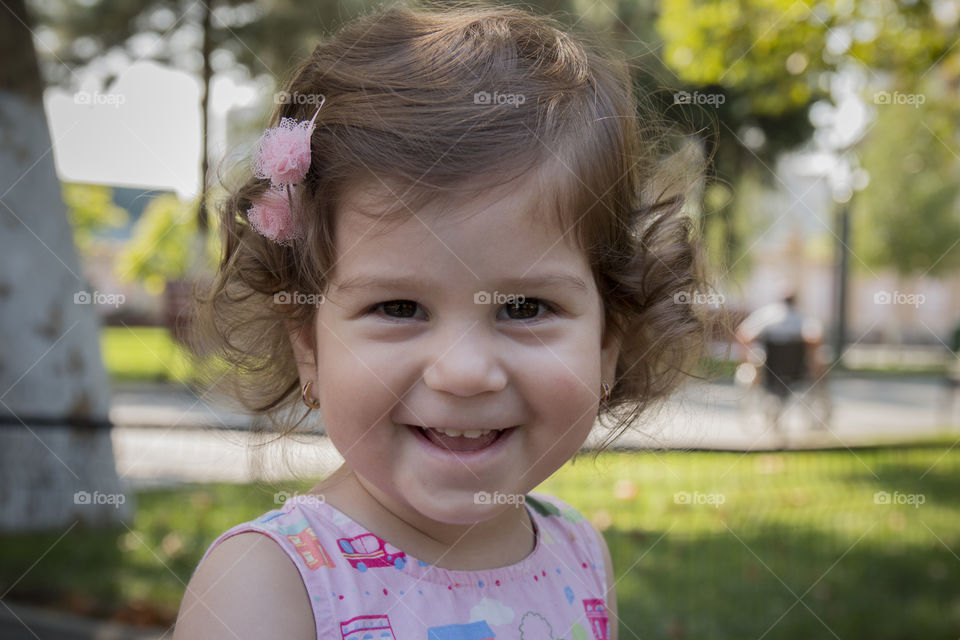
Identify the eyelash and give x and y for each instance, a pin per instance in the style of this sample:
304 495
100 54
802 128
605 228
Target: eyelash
551 308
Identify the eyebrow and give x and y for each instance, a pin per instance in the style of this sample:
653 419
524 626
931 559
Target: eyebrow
507 285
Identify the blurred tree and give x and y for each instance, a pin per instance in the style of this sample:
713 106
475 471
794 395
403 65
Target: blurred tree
159 248
239 37
908 217
90 207
56 456
772 59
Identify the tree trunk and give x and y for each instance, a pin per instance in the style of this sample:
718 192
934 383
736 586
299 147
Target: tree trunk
203 223
56 456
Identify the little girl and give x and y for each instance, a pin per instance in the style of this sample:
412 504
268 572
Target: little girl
449 247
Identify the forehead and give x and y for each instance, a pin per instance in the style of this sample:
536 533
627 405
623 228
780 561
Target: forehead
503 231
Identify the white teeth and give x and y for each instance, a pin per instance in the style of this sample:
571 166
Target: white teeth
473 433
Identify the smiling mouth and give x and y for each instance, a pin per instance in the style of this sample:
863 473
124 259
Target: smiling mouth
460 441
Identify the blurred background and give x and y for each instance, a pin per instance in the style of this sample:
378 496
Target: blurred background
828 136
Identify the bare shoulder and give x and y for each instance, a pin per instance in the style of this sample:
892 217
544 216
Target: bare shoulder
611 595
247 587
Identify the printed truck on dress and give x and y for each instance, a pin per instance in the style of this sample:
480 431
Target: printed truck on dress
367 550
310 549
304 539
367 628
597 616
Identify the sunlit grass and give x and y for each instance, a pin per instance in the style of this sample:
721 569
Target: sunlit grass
144 354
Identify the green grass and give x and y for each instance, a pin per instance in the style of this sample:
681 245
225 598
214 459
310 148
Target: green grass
802 523
792 525
144 354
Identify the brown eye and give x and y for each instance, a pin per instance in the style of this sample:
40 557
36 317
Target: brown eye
526 310
397 308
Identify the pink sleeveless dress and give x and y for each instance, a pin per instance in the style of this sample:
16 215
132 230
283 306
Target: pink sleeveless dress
363 588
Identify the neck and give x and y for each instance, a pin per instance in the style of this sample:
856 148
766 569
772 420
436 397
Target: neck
502 540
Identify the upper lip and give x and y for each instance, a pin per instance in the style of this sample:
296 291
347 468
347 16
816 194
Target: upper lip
461 428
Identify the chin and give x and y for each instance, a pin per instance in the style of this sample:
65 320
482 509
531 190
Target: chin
458 508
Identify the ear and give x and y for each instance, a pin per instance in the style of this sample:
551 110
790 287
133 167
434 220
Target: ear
609 353
302 341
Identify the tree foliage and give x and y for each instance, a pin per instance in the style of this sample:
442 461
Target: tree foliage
90 208
160 246
908 217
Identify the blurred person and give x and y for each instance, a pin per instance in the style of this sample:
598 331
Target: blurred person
784 346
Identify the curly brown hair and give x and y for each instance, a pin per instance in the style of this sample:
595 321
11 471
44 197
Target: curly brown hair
411 102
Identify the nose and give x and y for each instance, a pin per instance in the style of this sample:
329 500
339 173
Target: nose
467 362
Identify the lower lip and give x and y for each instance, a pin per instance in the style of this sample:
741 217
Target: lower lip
464 457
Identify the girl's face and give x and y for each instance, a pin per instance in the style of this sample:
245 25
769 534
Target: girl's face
424 325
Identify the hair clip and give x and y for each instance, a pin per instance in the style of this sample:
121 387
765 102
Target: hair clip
283 155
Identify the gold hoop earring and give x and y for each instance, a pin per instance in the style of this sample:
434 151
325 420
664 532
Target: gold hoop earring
605 388
307 400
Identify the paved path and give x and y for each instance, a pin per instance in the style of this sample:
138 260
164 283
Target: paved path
165 435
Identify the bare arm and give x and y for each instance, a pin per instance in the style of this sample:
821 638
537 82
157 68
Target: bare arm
246 588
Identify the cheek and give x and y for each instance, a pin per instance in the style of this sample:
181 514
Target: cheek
564 398
568 377
353 391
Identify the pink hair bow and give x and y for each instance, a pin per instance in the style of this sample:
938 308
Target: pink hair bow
283 156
